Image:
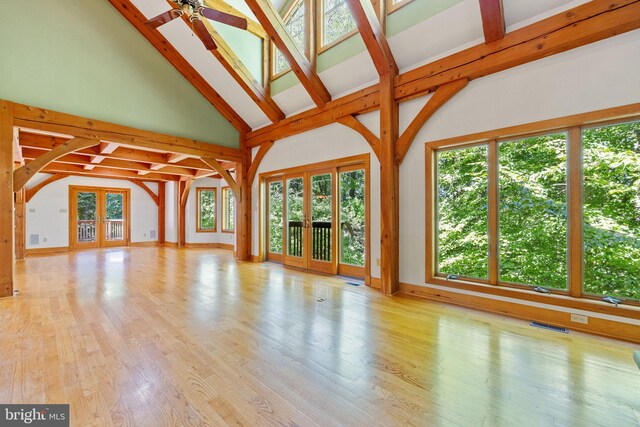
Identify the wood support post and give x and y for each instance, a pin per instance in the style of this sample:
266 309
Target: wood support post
19 221
243 217
182 195
389 188
161 211
6 200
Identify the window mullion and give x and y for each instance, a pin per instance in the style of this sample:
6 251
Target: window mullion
574 212
493 212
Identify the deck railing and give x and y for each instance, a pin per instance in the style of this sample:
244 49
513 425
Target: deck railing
320 239
115 229
86 230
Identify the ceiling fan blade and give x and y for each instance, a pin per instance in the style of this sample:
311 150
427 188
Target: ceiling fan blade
162 19
225 18
203 34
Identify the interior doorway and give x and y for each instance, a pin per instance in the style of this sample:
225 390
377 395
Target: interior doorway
317 217
99 217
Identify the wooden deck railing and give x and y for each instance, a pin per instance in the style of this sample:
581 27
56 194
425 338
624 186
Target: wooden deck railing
320 239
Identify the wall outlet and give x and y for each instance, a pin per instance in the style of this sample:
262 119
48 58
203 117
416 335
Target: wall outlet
579 318
378 262
32 210
63 211
144 234
44 240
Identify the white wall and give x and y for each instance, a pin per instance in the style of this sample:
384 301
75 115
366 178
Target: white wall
171 212
601 75
48 211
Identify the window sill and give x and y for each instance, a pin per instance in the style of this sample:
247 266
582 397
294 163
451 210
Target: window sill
326 47
206 231
596 306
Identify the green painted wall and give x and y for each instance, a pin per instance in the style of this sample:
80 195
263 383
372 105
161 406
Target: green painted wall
84 58
247 46
403 18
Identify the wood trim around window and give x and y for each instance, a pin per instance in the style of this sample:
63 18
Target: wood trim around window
308 13
215 209
573 297
391 7
224 210
321 46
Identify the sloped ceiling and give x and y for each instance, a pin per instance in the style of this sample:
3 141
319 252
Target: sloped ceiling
454 28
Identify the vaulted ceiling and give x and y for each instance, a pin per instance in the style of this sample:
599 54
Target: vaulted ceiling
227 77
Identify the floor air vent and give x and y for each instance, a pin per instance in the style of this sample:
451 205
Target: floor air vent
353 283
549 327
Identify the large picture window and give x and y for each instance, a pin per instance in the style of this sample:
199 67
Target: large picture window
611 164
337 22
462 212
206 209
533 211
557 210
228 211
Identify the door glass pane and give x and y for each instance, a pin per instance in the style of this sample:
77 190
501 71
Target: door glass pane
352 211
533 211
275 217
612 210
462 212
295 231
114 216
321 217
87 213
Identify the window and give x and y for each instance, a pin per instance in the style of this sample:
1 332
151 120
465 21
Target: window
462 212
352 217
228 211
559 210
206 210
393 5
294 22
532 182
275 216
337 22
611 224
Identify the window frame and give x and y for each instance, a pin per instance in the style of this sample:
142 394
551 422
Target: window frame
391 7
574 296
225 207
321 46
200 190
307 36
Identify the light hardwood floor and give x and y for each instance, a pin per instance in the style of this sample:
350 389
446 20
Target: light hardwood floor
167 337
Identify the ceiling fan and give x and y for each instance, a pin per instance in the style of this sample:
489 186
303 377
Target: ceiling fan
195 11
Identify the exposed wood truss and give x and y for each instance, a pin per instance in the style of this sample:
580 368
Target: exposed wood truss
243 76
492 20
584 24
137 19
7 232
34 190
216 166
353 123
142 185
262 151
22 175
265 12
373 35
437 100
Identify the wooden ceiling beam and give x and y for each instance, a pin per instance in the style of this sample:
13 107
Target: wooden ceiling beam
33 190
25 172
373 36
217 167
241 74
579 26
353 123
492 20
137 19
82 160
265 12
142 185
443 94
103 172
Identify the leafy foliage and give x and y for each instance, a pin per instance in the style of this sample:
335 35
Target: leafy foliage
295 26
352 217
87 206
532 210
321 211
114 206
275 217
229 209
463 217
612 210
207 207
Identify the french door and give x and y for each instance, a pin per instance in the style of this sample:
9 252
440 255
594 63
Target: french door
303 211
99 217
